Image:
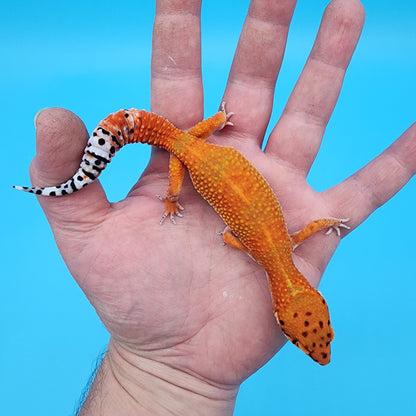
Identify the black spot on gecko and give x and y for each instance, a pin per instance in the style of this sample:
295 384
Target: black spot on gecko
305 334
306 323
295 315
114 139
101 142
74 188
281 323
89 174
80 178
324 355
98 169
103 159
52 193
107 133
321 324
308 313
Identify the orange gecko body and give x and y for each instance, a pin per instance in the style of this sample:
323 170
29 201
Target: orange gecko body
239 194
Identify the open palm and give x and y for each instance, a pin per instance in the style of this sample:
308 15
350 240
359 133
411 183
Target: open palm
175 294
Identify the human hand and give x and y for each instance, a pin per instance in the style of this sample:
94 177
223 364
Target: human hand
178 304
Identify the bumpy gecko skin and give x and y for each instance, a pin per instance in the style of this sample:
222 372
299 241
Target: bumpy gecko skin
239 194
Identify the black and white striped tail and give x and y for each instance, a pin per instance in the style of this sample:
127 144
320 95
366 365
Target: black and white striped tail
77 182
98 153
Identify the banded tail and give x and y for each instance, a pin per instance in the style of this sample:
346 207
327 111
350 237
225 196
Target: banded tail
112 133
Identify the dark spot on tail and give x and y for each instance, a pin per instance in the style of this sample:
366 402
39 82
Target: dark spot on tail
107 133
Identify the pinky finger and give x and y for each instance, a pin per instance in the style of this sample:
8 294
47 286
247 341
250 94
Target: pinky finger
373 185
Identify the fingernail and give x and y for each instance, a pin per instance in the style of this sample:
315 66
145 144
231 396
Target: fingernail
37 115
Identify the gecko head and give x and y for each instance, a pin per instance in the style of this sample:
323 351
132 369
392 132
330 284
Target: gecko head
305 322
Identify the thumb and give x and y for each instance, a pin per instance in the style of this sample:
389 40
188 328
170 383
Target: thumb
60 141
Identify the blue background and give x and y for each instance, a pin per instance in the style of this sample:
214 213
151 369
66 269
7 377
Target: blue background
94 58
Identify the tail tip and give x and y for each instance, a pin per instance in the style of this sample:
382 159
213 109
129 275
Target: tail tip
24 188
20 188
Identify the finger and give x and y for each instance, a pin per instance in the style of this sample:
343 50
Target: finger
298 134
60 141
257 61
373 185
176 87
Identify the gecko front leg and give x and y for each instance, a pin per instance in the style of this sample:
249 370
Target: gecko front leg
201 131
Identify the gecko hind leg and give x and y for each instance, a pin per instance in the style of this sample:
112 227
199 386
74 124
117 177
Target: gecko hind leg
332 224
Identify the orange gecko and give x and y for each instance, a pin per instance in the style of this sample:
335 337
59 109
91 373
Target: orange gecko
239 194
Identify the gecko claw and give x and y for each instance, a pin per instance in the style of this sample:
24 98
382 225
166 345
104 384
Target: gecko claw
227 116
338 226
172 208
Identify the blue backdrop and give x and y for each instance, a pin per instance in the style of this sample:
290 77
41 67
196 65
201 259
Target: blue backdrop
94 58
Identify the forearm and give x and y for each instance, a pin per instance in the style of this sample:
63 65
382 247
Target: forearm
126 384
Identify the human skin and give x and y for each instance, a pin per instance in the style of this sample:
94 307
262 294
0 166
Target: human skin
190 319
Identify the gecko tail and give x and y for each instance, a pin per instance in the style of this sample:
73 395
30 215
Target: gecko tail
81 179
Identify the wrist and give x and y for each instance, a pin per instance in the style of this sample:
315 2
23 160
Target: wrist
128 384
